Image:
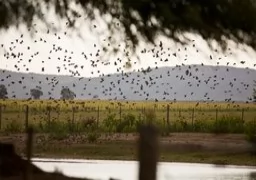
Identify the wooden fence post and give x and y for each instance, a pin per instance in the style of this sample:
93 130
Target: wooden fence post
216 115
120 112
49 114
148 152
0 116
168 115
73 116
144 115
58 113
29 149
26 117
242 114
98 116
193 115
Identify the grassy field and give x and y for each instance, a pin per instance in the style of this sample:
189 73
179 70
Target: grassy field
102 129
124 116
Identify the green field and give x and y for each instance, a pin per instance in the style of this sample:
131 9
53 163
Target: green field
124 116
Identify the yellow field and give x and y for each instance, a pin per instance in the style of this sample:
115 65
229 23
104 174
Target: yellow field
65 105
14 110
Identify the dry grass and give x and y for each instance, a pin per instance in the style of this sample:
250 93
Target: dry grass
14 110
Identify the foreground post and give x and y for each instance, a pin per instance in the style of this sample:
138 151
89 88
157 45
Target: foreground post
29 153
148 153
0 116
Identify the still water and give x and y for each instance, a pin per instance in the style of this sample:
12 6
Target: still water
128 170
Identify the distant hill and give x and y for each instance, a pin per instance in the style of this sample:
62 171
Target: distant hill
183 83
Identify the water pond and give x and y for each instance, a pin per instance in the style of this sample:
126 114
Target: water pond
128 170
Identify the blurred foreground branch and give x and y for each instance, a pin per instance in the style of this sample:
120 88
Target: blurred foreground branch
212 19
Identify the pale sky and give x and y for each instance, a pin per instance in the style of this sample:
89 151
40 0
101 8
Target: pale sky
93 36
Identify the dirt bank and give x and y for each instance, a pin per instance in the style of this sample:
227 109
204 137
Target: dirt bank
182 147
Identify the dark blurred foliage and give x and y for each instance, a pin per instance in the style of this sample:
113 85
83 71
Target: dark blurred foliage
213 19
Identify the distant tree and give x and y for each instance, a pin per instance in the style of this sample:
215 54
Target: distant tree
95 97
66 93
3 92
254 95
36 93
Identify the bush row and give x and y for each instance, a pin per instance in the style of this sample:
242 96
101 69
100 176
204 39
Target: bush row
130 123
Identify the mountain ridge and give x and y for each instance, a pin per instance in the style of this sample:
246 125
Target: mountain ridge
181 83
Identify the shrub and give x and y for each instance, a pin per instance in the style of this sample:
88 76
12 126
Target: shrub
236 125
221 126
150 116
164 131
110 123
57 130
128 124
228 124
87 125
93 137
200 126
60 135
13 127
180 126
250 132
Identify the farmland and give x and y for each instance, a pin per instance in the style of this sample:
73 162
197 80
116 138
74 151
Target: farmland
190 131
123 116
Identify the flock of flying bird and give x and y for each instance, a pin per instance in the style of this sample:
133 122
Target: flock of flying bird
145 84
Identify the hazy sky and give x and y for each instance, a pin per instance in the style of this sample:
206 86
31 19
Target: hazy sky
94 37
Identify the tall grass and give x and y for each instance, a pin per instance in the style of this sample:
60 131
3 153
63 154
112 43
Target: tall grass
61 118
130 123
